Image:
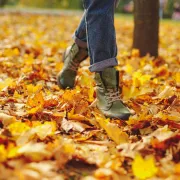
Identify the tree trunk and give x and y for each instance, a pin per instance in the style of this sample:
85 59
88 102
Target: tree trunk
146 30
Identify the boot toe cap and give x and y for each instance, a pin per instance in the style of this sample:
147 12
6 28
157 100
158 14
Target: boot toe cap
121 116
66 79
117 111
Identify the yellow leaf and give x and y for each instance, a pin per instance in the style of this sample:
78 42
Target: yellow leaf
139 79
144 168
16 52
28 59
11 52
78 117
91 94
85 80
113 131
6 83
3 153
135 53
35 100
177 169
18 128
59 66
33 89
17 95
177 77
129 68
69 148
35 110
46 129
12 151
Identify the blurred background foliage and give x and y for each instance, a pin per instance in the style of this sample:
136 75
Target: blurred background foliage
125 6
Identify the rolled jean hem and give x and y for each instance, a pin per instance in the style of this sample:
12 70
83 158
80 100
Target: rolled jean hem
100 66
79 42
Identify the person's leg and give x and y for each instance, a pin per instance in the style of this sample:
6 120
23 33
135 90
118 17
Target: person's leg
73 56
78 52
80 37
101 39
99 16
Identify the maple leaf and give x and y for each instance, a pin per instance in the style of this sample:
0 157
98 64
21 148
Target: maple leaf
144 168
36 102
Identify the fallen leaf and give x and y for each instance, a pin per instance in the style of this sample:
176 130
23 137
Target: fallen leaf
7 82
73 125
144 168
7 119
34 151
113 131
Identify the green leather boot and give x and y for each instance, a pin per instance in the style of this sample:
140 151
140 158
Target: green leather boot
73 56
108 95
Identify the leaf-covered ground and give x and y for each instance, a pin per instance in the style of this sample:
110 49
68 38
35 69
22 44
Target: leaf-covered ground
49 133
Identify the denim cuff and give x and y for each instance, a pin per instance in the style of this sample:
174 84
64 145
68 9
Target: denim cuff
80 43
100 66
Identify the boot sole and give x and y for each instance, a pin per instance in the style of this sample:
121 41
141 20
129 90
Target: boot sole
124 117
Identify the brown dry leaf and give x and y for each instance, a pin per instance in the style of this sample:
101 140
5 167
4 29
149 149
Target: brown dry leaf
68 125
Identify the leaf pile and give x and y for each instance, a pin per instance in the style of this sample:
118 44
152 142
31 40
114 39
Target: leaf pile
50 133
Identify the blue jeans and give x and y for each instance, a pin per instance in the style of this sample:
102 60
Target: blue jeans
97 33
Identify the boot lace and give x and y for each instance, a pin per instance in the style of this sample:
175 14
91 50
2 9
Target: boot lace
72 64
112 95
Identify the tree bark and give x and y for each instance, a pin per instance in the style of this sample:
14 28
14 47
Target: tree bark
146 30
